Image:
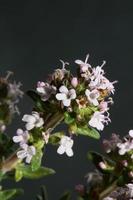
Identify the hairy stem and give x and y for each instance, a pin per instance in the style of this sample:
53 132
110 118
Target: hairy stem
107 191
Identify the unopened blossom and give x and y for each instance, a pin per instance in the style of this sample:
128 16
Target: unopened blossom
131 133
130 187
66 144
45 90
65 95
27 153
33 120
92 96
98 119
84 66
74 82
102 165
22 137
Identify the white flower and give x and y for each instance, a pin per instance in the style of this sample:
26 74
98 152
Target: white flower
98 119
66 95
125 147
22 137
27 152
83 65
33 120
92 96
131 133
130 187
66 145
45 90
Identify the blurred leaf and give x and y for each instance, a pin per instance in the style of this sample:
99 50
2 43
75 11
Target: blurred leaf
36 160
66 196
44 195
18 175
96 158
10 194
91 132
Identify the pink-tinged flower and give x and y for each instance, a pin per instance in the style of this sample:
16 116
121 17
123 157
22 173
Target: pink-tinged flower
110 145
125 147
131 133
84 66
33 120
74 82
102 165
66 96
22 137
27 152
45 90
92 96
103 106
130 187
98 119
66 144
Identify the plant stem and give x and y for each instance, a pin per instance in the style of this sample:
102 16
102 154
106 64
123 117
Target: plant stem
107 191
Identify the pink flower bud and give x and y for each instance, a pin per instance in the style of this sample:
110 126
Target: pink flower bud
102 165
103 106
74 82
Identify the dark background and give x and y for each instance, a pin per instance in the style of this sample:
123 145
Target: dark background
35 34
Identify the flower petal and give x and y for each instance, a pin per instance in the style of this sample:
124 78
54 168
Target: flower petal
69 152
61 96
63 89
29 119
61 150
67 102
29 126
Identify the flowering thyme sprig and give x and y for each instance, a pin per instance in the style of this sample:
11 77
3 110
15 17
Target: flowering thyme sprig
81 102
113 179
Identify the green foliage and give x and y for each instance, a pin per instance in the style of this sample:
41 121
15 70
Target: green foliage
55 138
10 194
87 131
36 160
68 118
26 172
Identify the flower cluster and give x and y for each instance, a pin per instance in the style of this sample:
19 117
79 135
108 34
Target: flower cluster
81 102
90 90
10 94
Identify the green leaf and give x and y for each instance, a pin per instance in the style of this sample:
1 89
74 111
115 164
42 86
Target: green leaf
91 132
36 160
96 158
10 194
68 118
39 173
66 196
26 172
55 138
18 175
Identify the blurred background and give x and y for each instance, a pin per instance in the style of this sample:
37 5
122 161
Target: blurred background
35 34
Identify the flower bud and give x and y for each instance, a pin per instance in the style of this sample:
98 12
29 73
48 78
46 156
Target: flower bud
74 82
102 165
